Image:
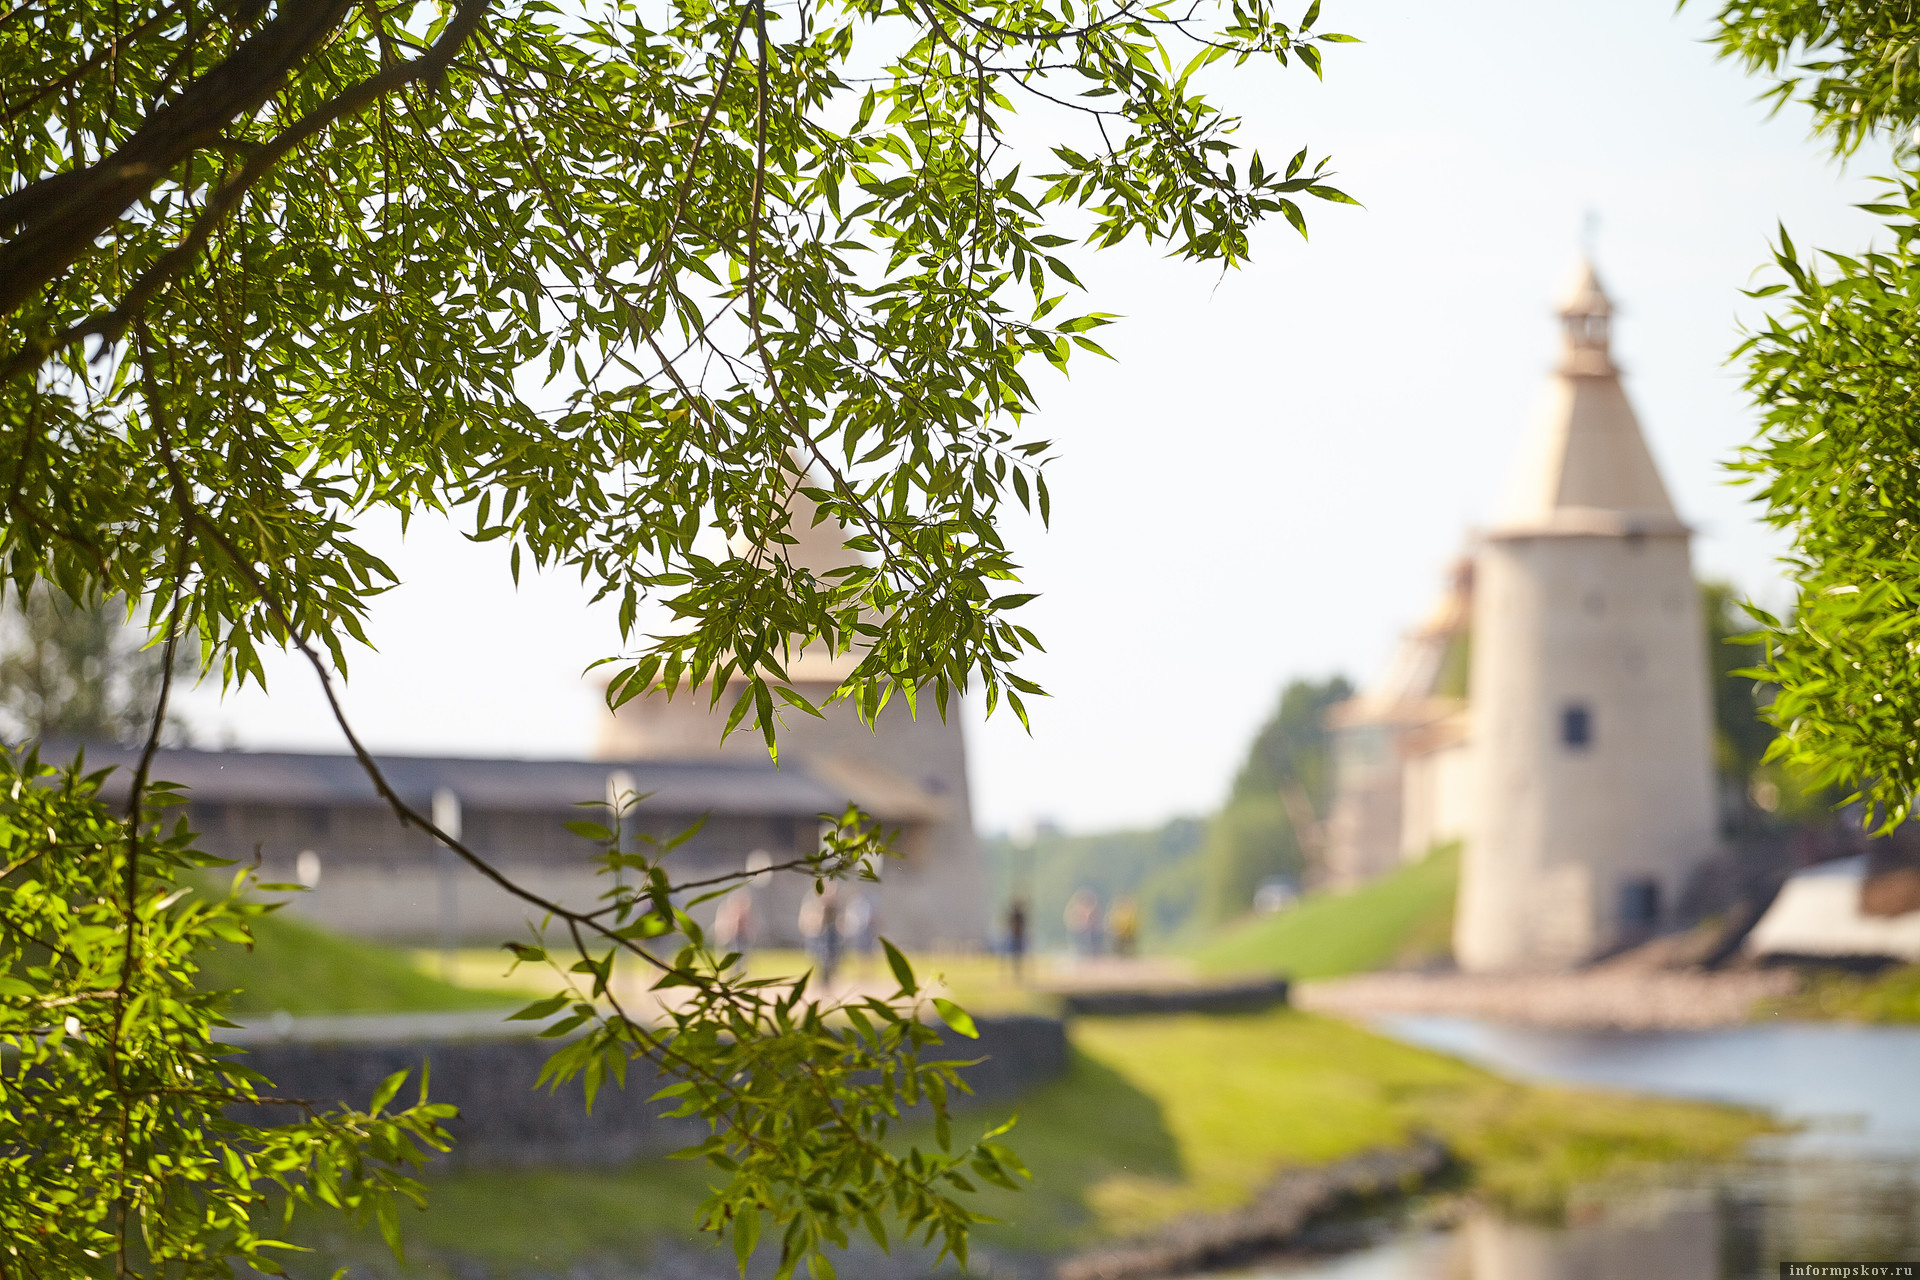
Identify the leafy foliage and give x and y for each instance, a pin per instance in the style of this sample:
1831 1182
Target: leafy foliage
120 1150
799 1094
1832 371
1853 62
624 285
607 278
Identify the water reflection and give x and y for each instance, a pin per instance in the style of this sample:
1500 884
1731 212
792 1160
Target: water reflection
1846 1187
1739 1228
1854 1084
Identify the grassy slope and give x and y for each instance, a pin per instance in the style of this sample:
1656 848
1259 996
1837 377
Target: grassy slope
1402 917
1891 997
303 969
1157 1117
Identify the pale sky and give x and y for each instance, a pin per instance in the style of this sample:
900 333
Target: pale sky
1272 478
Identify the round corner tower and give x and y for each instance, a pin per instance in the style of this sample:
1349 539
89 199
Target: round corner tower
1590 713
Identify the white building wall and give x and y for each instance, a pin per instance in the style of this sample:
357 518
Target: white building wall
1439 799
1609 624
1363 829
935 897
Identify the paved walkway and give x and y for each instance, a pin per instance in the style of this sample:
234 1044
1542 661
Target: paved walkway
1595 998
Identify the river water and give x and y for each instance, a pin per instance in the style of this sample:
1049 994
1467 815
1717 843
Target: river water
1844 1187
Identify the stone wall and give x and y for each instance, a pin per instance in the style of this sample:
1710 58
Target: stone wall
505 1121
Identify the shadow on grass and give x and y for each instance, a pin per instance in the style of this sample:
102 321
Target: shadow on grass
1083 1130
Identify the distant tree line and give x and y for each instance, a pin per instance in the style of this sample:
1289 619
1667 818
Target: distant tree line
78 670
1190 871
1270 824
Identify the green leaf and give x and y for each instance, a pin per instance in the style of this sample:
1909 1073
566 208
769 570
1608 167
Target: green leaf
388 1088
956 1017
746 1234
540 1009
902 971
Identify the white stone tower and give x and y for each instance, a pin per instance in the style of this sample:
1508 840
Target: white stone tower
1590 714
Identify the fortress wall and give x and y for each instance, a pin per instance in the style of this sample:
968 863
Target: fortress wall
1438 800
399 895
933 899
505 1122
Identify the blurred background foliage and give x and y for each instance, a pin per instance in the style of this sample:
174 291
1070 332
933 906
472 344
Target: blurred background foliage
80 671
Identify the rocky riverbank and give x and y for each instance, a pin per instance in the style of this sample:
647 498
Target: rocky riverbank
1282 1210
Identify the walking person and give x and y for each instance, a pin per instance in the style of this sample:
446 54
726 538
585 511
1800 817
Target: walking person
820 926
1123 926
1017 938
1083 921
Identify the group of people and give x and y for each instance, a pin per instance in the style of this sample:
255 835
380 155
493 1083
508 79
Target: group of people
833 922
1092 933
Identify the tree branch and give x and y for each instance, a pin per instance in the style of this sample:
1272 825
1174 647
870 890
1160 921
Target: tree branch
260 162
62 215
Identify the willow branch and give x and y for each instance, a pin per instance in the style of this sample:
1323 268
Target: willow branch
260 162
61 216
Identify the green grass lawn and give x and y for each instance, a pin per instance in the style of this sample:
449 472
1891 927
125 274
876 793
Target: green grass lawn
1156 1117
1890 997
303 969
1405 917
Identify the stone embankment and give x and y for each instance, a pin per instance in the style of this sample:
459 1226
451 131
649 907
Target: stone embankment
1602 998
488 1067
1289 1204
1253 996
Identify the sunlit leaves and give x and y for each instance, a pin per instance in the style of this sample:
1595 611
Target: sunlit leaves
1836 371
611 284
119 1152
625 288
1851 61
799 1089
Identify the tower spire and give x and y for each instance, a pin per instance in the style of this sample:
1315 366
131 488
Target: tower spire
1586 321
1587 468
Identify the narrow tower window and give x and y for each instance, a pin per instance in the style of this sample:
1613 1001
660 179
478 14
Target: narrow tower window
1576 726
1639 903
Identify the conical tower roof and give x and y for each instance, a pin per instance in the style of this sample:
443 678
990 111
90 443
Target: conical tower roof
1588 469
